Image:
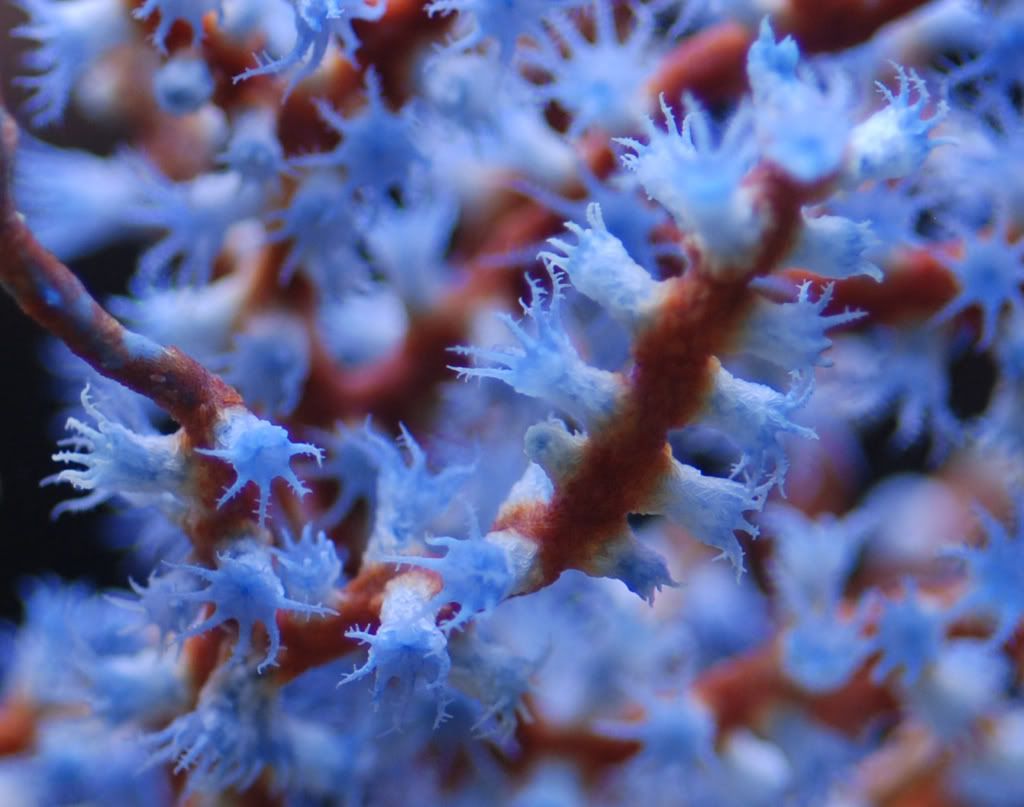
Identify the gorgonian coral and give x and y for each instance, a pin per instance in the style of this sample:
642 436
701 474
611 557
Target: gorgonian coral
753 258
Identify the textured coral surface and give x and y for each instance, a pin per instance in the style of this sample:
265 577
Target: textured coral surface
519 402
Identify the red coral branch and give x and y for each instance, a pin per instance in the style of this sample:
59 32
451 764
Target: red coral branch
622 463
17 726
310 643
710 63
53 296
917 284
831 25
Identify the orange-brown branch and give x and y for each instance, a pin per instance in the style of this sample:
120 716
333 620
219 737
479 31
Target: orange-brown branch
623 462
310 643
917 284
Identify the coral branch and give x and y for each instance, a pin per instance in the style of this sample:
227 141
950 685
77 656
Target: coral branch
309 643
17 727
49 292
831 25
333 218
917 285
669 383
708 64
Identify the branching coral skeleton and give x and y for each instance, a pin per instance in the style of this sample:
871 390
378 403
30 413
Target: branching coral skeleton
704 336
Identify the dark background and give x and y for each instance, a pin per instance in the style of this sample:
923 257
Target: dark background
32 542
